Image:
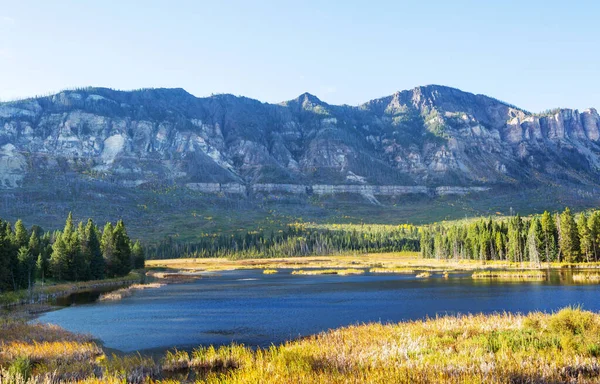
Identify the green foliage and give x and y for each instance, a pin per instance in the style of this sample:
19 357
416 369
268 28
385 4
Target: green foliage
73 254
536 239
137 255
294 240
20 367
568 237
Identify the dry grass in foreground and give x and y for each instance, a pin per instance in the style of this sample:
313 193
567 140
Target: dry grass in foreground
503 348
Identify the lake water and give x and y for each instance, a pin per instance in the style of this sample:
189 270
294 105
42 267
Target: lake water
258 310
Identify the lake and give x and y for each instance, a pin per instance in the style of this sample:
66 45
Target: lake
246 306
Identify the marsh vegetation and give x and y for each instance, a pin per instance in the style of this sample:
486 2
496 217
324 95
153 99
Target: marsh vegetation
502 348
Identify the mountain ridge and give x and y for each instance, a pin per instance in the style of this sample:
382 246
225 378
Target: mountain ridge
428 134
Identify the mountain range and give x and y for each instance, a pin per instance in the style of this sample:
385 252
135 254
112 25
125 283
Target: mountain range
431 141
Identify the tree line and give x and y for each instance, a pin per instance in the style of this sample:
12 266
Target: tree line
77 253
560 237
293 240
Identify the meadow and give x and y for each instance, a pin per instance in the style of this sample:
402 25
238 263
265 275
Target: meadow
392 262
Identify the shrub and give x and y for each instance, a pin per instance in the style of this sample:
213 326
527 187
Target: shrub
20 367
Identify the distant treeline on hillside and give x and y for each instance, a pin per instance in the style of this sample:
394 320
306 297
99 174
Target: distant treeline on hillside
73 254
543 238
560 237
294 240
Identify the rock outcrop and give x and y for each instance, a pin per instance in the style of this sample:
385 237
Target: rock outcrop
429 140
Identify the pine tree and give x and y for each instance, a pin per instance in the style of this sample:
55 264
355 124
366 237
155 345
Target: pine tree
6 277
41 267
122 250
515 244
137 254
549 237
58 260
85 255
107 245
21 235
26 267
585 237
535 240
97 266
569 237
594 225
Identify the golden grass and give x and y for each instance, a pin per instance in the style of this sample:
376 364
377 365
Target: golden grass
269 271
392 260
587 277
126 292
41 294
341 272
510 275
392 270
498 348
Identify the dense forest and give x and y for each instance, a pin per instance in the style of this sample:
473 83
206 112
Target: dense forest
560 237
294 240
77 253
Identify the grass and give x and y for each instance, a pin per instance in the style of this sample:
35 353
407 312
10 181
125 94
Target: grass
497 348
511 275
49 291
392 270
270 271
341 272
380 262
126 292
587 277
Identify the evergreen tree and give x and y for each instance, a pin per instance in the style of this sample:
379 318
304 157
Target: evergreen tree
85 255
97 266
515 246
549 237
137 254
41 267
107 245
21 235
122 250
585 237
6 277
535 240
58 260
568 237
594 225
26 267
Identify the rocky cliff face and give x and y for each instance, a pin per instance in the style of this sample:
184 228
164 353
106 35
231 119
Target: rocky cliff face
429 138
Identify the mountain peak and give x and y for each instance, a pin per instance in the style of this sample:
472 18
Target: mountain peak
310 98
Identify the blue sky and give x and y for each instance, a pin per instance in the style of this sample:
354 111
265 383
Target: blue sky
535 54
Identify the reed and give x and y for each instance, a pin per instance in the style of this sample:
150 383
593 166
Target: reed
392 270
497 348
341 272
126 292
511 275
587 277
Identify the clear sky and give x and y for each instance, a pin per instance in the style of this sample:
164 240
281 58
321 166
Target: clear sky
535 54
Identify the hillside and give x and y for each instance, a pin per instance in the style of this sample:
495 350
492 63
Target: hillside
164 153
